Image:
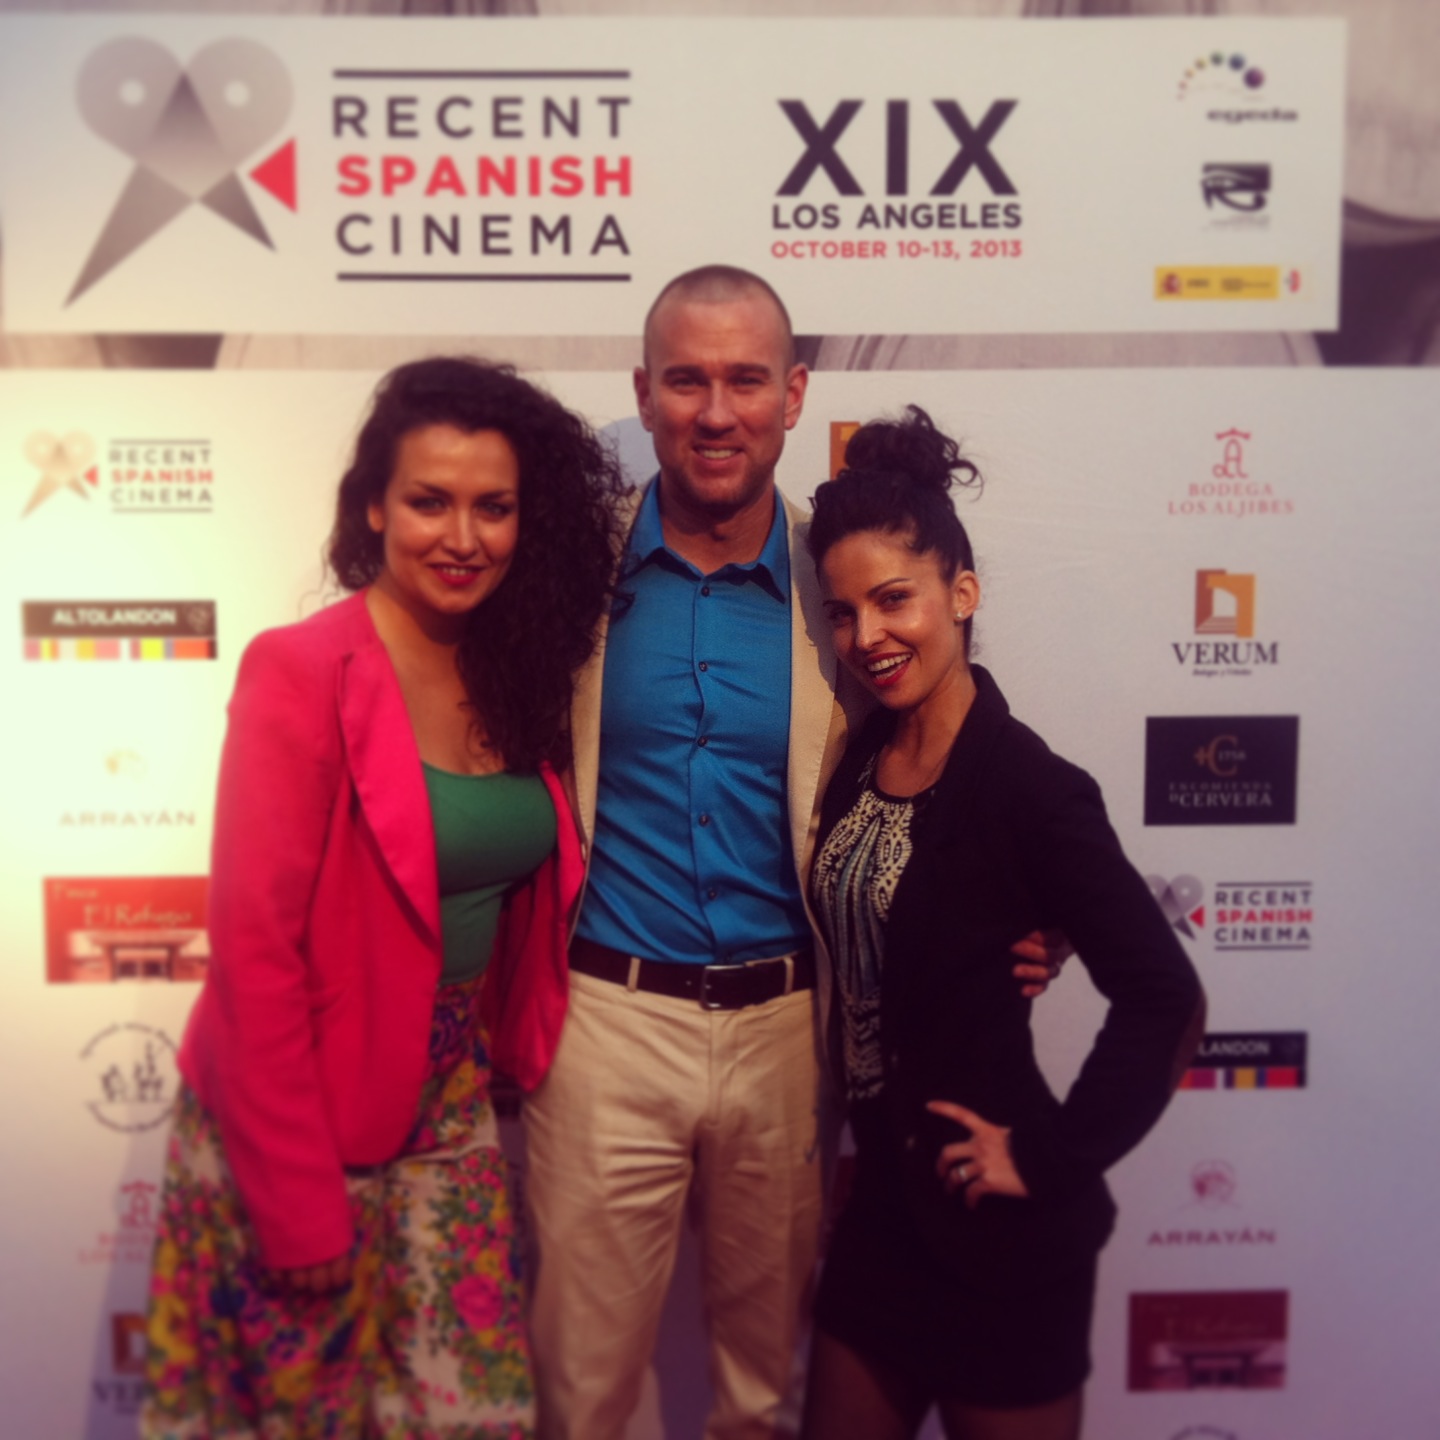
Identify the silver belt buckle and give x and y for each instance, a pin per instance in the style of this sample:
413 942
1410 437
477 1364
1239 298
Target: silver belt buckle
705 1002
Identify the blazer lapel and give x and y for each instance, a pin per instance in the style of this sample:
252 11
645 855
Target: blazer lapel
385 765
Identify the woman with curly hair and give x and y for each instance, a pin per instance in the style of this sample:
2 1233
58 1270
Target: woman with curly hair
394 866
962 1270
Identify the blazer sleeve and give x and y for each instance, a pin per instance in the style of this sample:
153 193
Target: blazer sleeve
280 772
1088 888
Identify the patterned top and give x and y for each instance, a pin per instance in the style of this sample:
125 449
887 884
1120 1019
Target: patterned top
852 885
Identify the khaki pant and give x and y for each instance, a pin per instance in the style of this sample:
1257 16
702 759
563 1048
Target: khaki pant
652 1101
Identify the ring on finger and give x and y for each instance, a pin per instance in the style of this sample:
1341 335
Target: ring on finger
960 1170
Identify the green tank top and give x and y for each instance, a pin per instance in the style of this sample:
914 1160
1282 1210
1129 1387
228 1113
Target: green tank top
491 833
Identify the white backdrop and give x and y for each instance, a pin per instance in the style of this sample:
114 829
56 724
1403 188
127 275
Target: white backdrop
1105 496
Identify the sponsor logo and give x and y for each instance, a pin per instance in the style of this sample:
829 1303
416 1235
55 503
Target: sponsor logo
1219 282
1221 769
1232 87
840 433
1225 605
1257 1061
134 1080
1212 1216
112 929
64 463
155 476
188 128
1264 915
1230 489
1209 1340
122 1391
1181 901
1241 188
119 629
131 1238
418 148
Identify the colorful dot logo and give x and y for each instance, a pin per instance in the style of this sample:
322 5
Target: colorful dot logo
1219 71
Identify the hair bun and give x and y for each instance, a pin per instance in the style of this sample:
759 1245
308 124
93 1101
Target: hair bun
911 447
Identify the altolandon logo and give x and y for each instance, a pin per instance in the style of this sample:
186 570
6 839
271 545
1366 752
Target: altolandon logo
525 173
189 129
1221 769
1263 1060
155 475
119 629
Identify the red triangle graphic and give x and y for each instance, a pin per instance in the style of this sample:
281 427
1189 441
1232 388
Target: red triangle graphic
93 475
277 174
1198 916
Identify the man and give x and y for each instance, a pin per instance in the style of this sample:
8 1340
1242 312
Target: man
705 730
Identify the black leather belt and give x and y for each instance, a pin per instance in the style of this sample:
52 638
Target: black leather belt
713 987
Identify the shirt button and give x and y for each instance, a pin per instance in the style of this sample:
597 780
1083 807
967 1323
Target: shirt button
703 740
704 664
704 589
704 819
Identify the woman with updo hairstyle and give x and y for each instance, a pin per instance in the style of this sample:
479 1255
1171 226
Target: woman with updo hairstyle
962 1269
395 864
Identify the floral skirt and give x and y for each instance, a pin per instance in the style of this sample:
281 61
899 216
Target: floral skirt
428 1341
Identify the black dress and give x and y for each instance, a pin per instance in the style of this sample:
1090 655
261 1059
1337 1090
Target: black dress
920 900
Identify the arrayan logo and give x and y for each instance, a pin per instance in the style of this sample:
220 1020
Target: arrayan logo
188 129
1213 1217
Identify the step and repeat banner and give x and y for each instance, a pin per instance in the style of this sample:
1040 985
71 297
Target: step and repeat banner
1212 586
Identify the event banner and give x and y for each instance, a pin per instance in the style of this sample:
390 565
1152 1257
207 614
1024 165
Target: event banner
173 174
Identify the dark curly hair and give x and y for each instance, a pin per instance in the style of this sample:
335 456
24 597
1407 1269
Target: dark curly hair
520 652
897 479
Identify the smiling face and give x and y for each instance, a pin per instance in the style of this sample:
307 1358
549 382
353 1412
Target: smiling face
718 391
895 619
450 520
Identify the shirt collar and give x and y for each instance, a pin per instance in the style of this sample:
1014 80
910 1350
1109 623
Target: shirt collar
770 569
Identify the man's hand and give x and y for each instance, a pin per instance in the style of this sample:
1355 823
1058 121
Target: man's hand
1042 952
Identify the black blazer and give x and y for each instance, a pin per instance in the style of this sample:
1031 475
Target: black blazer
1016 839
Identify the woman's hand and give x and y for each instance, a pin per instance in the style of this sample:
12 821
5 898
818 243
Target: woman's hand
312 1279
981 1165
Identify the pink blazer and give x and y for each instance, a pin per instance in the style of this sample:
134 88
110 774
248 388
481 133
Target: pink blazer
309 1042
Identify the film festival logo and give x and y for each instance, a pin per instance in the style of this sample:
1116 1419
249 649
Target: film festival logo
1181 901
154 476
1213 1216
188 129
873 197
133 1077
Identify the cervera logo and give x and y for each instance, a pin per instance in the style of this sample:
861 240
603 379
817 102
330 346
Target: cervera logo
1259 1061
1221 769
964 183
1209 1339
188 129
149 475
119 629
